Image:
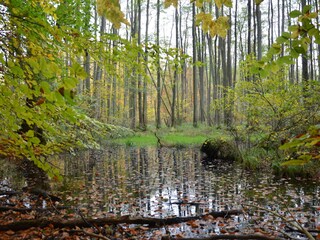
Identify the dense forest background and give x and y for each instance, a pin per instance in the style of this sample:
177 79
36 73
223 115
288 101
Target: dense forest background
72 70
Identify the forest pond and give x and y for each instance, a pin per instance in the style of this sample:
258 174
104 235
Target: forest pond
167 182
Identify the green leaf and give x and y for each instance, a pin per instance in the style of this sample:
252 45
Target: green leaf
306 8
34 64
17 71
294 163
313 32
286 35
285 60
35 140
281 40
275 49
313 15
290 145
294 53
30 133
300 50
45 86
70 82
293 28
295 13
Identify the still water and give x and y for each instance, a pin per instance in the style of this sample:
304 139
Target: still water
165 182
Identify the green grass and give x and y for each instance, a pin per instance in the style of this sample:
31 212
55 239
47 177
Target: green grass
181 136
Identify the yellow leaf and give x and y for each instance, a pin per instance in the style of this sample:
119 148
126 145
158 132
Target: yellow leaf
168 3
218 3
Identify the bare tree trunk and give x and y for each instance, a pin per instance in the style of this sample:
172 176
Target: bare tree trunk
305 73
201 75
249 26
195 80
229 83
87 86
158 111
175 77
235 44
145 94
210 78
113 110
98 78
318 47
133 83
259 32
140 83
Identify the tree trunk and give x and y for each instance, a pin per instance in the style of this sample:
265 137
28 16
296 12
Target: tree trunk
249 26
98 78
259 32
195 80
305 73
145 94
201 75
158 110
175 77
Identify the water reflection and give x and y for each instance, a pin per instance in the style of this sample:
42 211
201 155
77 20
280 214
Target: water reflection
174 182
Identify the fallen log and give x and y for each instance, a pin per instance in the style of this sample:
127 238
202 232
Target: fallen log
152 222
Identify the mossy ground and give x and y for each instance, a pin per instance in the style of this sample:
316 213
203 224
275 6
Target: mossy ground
180 136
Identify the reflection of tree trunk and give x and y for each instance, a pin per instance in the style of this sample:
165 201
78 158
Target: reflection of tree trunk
161 180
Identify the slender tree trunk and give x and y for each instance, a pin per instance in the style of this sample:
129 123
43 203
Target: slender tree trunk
98 78
216 80
201 76
158 111
235 44
305 73
133 83
140 83
282 24
195 80
249 26
145 94
318 45
229 83
210 79
259 32
113 109
175 77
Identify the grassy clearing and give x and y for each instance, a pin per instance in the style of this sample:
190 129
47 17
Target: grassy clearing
181 136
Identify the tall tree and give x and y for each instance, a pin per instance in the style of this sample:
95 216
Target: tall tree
305 73
175 77
249 26
158 108
98 76
259 30
194 55
140 82
145 94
